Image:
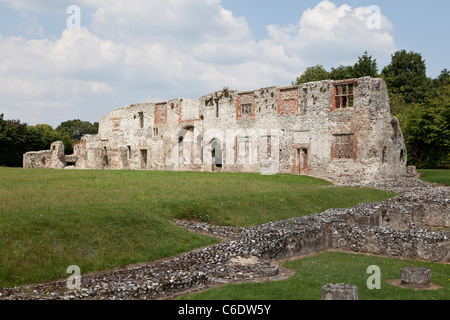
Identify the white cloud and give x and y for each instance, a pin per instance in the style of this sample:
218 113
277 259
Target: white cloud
331 35
137 49
185 22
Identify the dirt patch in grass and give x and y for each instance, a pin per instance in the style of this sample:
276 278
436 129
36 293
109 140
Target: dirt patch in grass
398 283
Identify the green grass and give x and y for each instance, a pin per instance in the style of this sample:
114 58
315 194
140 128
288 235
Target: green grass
436 176
335 267
99 220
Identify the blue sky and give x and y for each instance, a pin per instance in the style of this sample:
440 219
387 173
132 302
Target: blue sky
419 26
132 51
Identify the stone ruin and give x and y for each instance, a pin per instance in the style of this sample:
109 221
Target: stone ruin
335 130
414 276
53 158
339 291
341 131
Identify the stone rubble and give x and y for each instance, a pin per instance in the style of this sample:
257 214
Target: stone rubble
251 254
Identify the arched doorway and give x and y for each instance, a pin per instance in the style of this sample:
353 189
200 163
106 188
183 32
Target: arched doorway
216 155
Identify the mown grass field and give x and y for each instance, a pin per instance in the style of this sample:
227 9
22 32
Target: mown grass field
99 220
436 176
336 267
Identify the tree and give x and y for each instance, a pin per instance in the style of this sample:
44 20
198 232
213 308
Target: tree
14 142
47 135
443 79
427 131
341 73
315 73
365 67
406 76
77 128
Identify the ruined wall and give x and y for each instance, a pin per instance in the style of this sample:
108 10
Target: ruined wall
337 130
53 158
401 227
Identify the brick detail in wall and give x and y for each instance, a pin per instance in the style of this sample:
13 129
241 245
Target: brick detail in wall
344 147
288 102
160 113
116 124
245 106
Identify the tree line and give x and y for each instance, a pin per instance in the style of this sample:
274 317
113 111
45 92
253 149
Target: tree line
17 138
421 104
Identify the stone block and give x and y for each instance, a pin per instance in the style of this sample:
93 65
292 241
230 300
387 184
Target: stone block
415 276
339 291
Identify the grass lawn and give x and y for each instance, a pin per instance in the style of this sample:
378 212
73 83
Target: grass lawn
436 176
99 220
335 267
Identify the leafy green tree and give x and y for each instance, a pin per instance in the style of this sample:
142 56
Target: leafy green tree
46 135
14 141
427 131
77 128
315 73
443 79
406 76
341 73
365 67
423 108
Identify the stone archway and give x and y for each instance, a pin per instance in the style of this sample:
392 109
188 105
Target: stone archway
216 155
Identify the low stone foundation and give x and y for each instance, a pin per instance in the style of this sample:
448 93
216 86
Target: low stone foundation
407 226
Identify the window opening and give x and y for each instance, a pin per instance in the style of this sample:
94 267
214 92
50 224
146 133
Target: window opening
344 96
246 110
141 120
217 111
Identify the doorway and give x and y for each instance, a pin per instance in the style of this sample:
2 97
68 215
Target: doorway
144 159
216 155
301 160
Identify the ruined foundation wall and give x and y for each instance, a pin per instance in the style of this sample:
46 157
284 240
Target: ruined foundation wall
414 244
395 228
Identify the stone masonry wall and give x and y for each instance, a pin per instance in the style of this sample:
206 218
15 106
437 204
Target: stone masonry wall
412 226
53 158
336 130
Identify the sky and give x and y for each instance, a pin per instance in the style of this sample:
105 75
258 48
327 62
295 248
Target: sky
79 59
